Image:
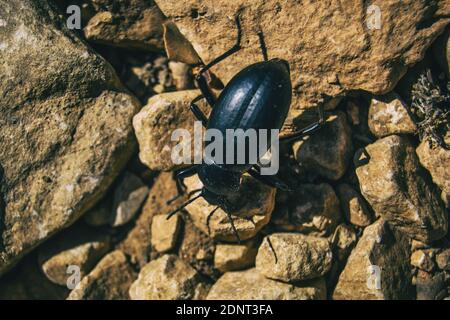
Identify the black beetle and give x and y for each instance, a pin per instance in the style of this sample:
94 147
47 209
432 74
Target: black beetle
258 97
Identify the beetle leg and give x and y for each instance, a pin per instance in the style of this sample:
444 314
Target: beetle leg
202 75
198 113
272 181
179 180
184 205
308 130
228 53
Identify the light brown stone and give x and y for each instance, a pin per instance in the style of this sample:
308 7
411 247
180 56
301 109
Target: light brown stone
165 232
291 257
167 278
388 114
109 280
135 24
423 259
354 206
65 125
358 55
232 257
378 267
80 247
155 124
437 161
395 185
129 195
250 285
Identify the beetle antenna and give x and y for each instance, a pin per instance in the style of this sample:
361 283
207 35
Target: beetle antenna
233 226
184 205
262 44
209 218
271 248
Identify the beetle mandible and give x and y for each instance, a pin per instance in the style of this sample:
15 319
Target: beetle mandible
258 97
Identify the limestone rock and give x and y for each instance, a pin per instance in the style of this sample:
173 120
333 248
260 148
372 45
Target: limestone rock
232 257
437 161
135 24
165 232
255 204
388 114
361 54
250 285
167 278
343 241
395 185
423 259
328 151
129 195
354 206
291 257
443 260
310 209
79 246
65 122
155 124
137 244
109 280
378 267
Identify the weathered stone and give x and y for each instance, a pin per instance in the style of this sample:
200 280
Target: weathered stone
156 122
182 75
359 55
254 203
388 114
79 246
65 123
311 209
423 259
167 278
232 257
354 206
343 241
293 257
129 195
135 24
328 151
378 267
250 285
395 185
165 232
109 280
437 161
430 286
443 260
137 244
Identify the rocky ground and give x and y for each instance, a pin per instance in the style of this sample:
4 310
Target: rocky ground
86 174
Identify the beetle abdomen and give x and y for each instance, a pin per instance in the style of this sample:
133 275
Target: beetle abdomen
257 98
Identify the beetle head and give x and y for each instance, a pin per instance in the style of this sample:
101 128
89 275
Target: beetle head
282 62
